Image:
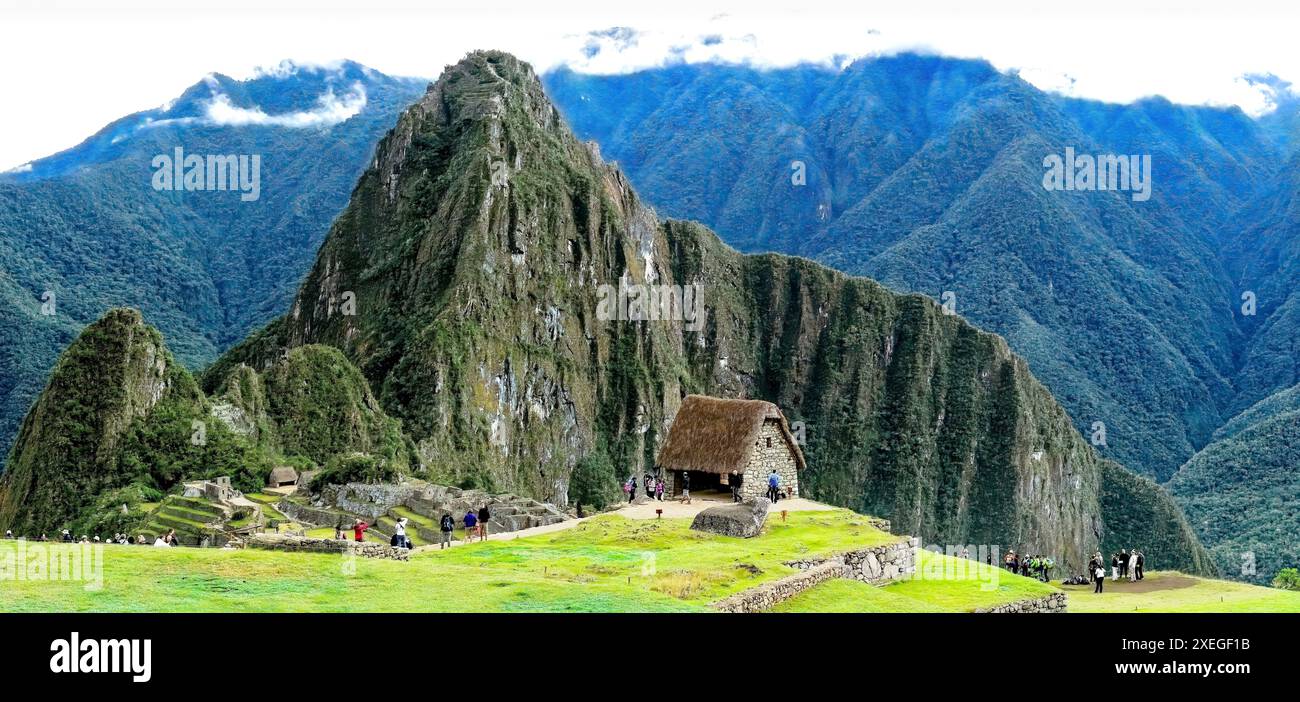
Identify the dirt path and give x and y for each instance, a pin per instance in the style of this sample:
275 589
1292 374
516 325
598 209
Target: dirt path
646 509
1151 583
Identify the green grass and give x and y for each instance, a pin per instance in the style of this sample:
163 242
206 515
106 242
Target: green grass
942 584
1183 593
608 563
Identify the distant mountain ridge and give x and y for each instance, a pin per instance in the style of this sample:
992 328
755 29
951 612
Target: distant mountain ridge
86 228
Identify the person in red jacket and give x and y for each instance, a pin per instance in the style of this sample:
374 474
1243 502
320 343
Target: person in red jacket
360 530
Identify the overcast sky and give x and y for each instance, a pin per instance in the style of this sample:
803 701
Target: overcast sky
68 67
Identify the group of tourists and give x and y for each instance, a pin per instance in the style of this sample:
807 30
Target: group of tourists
654 487
1029 565
476 527
1127 563
120 539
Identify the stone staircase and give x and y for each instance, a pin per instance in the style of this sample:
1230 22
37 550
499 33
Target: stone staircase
193 518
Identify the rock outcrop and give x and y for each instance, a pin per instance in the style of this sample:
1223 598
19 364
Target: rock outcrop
744 520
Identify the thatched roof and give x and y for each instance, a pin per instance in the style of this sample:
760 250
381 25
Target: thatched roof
715 435
282 474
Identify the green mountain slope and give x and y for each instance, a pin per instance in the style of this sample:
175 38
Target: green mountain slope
1242 492
463 280
121 422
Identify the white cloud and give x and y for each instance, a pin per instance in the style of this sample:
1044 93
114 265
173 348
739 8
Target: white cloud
330 110
148 51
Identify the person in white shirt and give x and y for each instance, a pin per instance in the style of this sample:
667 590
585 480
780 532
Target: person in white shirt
160 543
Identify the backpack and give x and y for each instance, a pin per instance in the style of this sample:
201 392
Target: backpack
447 524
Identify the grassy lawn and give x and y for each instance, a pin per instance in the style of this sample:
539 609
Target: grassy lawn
608 563
944 584
1168 591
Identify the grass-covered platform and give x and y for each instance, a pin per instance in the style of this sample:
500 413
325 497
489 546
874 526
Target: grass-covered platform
606 564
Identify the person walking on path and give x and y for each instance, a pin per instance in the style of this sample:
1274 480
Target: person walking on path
659 489
630 488
686 487
1139 561
445 525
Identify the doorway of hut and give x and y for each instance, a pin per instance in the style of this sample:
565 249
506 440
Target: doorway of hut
703 484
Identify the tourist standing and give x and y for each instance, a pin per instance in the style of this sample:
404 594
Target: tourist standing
686 486
445 525
1139 563
734 481
659 488
649 482
631 488
471 525
1114 566
359 530
773 486
1098 576
483 516
399 534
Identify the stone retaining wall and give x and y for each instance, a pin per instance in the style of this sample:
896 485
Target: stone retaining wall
364 549
1049 604
889 562
878 564
768 595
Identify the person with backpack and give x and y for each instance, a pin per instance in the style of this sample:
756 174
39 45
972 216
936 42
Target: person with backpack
483 516
773 486
471 525
446 525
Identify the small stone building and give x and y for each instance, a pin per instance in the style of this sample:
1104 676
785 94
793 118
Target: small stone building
711 437
282 476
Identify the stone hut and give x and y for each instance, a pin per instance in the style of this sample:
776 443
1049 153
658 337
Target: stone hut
711 437
282 476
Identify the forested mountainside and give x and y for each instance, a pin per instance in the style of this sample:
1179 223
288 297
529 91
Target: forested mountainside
926 173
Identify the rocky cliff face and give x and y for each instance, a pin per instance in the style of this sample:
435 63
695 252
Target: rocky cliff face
470 280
